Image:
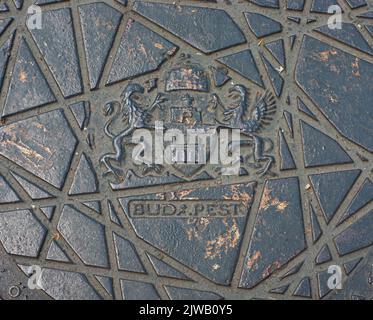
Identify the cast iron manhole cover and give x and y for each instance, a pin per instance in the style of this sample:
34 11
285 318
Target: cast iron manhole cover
88 212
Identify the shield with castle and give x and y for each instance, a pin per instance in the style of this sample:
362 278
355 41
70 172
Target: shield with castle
188 98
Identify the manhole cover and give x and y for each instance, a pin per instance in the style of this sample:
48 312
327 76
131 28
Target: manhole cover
121 174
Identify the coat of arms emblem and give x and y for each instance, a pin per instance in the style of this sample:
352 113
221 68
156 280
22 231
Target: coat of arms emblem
191 100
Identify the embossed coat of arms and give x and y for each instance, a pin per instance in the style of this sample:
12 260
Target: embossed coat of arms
188 98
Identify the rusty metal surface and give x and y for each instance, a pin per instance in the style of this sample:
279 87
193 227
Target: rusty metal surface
79 219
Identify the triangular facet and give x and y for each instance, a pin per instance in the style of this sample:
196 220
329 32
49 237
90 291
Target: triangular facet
81 111
206 29
351 265
99 25
322 6
367 15
4 23
354 4
293 270
35 192
176 293
316 229
243 62
280 290
165 270
85 179
113 214
18 4
127 256
303 289
296 5
349 35
42 145
370 30
48 211
361 199
94 205
294 19
143 58
220 76
107 284
287 160
274 76
137 290
324 255
292 39
5 50
303 108
278 51
289 121
59 49
7 194
28 87
331 189
267 3
320 149
261 25
55 253
4 7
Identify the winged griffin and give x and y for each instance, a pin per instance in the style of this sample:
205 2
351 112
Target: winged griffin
250 120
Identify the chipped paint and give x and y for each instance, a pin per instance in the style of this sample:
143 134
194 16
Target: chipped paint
253 259
221 244
268 201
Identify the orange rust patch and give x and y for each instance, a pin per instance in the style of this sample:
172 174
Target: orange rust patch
184 193
268 201
238 195
23 76
158 45
355 67
324 55
56 236
271 268
228 240
253 259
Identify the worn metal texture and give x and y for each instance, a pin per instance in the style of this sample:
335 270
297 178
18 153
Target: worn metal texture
100 226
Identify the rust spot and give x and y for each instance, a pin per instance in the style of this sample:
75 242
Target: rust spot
158 45
271 268
56 236
238 195
324 55
184 193
23 76
267 201
355 67
222 243
253 259
172 51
